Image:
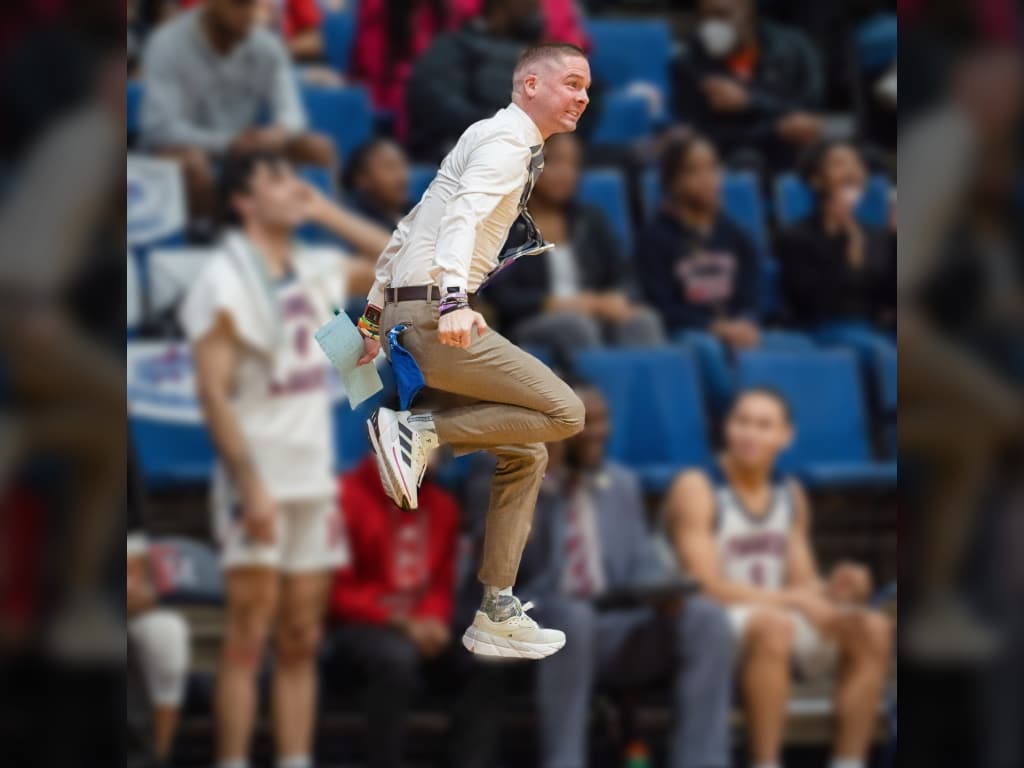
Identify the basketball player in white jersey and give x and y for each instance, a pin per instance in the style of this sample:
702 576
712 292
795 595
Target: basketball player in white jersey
743 531
261 380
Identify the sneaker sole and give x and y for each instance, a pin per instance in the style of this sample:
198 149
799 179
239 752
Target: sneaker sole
384 467
486 644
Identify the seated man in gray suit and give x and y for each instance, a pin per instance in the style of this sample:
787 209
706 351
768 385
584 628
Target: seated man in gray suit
589 538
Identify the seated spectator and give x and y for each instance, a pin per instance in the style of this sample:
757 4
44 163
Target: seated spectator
699 270
578 294
744 532
589 537
392 34
463 77
296 21
376 182
838 276
749 84
208 75
160 641
392 607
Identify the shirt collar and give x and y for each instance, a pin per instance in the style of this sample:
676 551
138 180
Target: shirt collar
534 135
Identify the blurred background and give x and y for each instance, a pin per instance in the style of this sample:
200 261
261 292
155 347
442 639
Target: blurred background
727 212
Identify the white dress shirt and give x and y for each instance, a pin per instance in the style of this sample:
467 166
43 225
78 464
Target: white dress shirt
453 236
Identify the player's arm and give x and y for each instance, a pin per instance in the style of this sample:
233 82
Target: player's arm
801 567
215 355
690 517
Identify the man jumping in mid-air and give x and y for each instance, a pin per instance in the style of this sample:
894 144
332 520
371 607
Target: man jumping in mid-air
484 392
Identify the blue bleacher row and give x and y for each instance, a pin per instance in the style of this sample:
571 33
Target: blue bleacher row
658 413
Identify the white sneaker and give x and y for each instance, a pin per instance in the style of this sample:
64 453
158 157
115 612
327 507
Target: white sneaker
402 453
517 637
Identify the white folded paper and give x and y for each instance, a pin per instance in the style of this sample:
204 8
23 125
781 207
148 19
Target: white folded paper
343 345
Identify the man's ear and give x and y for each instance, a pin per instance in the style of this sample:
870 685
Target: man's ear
530 84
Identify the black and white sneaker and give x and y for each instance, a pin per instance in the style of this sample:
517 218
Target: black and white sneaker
402 450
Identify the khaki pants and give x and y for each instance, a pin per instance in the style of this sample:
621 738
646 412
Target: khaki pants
492 397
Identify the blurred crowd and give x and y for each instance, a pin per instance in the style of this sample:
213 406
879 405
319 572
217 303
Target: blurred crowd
752 209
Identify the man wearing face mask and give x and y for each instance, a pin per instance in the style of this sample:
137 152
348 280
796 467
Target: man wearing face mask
463 77
750 84
838 276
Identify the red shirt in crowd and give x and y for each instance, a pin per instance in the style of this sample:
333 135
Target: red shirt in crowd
403 563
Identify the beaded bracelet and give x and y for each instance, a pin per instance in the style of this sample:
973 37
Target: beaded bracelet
455 300
369 323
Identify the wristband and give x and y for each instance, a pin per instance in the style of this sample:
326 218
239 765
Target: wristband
369 323
453 301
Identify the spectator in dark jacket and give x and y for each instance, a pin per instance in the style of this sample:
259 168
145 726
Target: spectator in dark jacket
751 85
698 268
463 77
580 293
838 276
376 180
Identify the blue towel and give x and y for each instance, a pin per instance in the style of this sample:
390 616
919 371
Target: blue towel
408 375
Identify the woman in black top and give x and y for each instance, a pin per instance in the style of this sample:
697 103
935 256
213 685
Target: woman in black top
838 276
697 267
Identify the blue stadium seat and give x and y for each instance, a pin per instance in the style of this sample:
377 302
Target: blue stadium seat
823 389
186 571
875 42
605 188
339 32
623 119
656 409
627 50
172 453
133 105
420 177
740 199
794 200
343 114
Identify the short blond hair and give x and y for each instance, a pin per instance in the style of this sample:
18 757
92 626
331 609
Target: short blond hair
541 52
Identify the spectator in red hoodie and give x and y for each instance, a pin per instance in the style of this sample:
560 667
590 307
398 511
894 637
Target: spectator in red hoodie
394 601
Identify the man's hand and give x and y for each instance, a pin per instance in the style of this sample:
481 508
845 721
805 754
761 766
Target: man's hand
272 137
817 609
738 334
429 636
315 204
455 328
259 513
370 349
800 128
614 307
849 583
725 94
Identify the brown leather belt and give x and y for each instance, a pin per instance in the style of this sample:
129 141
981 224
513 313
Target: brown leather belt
412 293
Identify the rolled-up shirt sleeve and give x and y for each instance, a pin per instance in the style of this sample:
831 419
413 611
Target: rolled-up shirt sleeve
496 168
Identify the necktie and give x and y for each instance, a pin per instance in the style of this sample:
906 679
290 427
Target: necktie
534 240
579 578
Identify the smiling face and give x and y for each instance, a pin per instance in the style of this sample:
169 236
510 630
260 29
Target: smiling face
554 92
